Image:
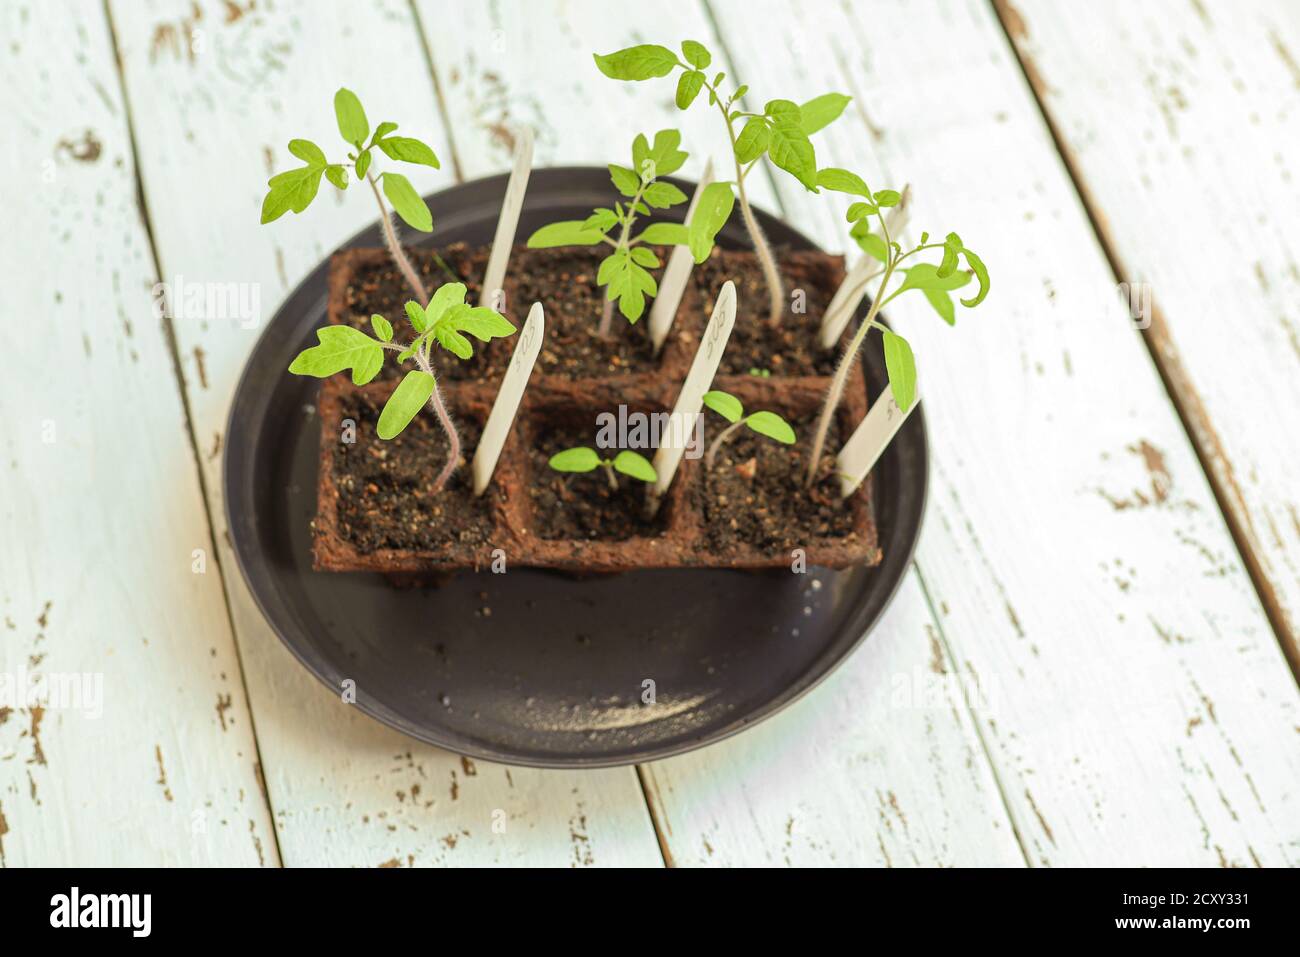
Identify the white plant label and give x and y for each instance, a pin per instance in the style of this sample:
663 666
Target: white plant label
846 299
513 383
690 401
676 274
508 222
869 440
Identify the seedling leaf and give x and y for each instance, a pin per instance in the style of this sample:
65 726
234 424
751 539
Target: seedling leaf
408 150
636 465
753 140
575 460
353 125
664 154
572 232
383 328
771 425
942 303
291 190
408 203
725 404
625 180
665 234
662 195
821 111
638 62
710 216
405 402
689 85
901 366
696 54
790 148
981 273
843 181
339 348
926 276
419 318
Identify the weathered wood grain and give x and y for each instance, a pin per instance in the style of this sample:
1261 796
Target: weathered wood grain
108 588
1142 713
843 777
211 122
1181 124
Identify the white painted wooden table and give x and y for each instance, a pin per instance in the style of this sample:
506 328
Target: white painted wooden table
1088 663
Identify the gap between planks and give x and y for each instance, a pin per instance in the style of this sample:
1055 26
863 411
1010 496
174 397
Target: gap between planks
1192 414
173 350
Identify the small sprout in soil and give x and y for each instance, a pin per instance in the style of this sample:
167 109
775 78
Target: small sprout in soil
445 321
585 459
936 282
624 272
296 188
764 423
781 132
758 373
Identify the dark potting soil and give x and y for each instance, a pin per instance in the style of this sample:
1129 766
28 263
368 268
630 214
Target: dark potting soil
380 288
582 506
385 488
756 347
754 493
564 282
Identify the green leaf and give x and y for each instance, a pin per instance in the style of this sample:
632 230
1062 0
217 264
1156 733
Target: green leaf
408 150
638 62
363 164
352 118
602 220
636 465
408 203
874 246
901 366
771 425
942 303
725 404
664 156
790 149
753 139
481 322
662 195
645 257
455 343
926 276
444 297
696 55
337 175
341 347
383 328
665 234
689 85
981 273
571 232
857 211
308 152
405 402
842 181
291 190
580 459
710 216
821 111
419 319
886 197
382 130
949 264
625 180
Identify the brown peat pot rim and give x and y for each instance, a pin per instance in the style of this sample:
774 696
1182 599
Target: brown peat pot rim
531 667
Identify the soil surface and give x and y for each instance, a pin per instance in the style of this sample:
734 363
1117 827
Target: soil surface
564 281
755 346
381 288
754 494
582 506
385 488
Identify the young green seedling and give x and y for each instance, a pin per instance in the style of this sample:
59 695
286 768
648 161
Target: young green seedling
764 423
445 321
624 272
584 459
781 132
296 188
935 281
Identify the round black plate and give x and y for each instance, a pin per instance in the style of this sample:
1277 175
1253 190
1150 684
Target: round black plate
533 667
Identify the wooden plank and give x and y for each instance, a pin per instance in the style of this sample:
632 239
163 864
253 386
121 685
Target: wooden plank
734 803
208 118
1178 121
1143 713
143 752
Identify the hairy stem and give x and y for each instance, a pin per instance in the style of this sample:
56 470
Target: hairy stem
395 248
775 292
606 316
717 443
448 426
842 370
609 473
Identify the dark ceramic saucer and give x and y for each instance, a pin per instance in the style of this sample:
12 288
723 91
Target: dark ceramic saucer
532 667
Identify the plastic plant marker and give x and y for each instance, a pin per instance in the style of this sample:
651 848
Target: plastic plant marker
497 428
690 401
508 222
869 441
676 274
845 301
